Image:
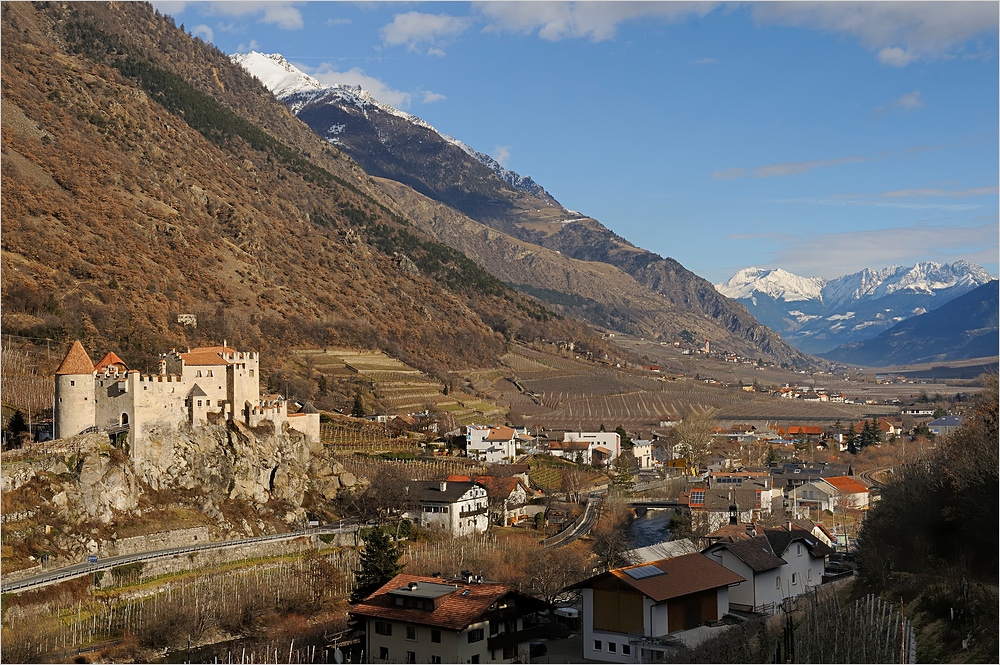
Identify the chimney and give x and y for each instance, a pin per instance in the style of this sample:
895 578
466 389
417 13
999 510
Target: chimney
413 586
789 526
443 485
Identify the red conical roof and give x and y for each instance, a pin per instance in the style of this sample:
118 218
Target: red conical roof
76 361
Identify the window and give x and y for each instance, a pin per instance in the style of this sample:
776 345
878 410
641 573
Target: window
436 635
445 509
72 383
383 653
435 659
411 633
251 372
795 578
198 373
383 628
809 573
777 583
510 652
209 373
475 658
798 550
476 635
626 650
208 402
597 645
612 647
411 656
199 402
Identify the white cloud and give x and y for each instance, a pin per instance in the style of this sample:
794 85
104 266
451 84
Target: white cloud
431 97
955 193
597 21
254 45
285 15
835 254
203 31
900 31
787 168
895 56
910 100
501 153
325 73
415 29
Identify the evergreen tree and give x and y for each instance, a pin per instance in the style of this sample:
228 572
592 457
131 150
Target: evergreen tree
358 410
379 564
852 440
17 423
626 439
622 483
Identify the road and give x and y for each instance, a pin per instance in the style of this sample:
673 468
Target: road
581 526
86 568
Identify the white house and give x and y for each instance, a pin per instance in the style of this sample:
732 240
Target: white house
626 609
420 619
460 508
491 444
781 563
601 447
643 452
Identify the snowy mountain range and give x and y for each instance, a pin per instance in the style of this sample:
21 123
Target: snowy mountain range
816 315
297 90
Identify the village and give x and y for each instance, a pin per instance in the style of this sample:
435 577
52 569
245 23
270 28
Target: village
754 515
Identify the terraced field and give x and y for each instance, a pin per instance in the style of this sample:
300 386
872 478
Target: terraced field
399 387
547 473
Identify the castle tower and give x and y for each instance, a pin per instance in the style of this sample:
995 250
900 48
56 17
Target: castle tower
74 406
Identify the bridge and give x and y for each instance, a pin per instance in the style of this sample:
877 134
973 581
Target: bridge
655 503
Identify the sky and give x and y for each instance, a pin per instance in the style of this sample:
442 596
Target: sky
821 138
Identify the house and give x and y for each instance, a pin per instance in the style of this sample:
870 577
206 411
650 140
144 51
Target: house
507 497
778 564
609 442
421 619
850 492
642 450
917 410
944 425
805 432
491 444
711 508
201 386
574 451
626 609
460 508
830 493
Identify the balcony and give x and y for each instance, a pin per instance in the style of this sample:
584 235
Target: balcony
471 513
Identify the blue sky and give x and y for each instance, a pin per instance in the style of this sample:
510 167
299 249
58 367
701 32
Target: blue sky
821 138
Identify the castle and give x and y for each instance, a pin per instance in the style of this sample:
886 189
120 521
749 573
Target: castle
206 384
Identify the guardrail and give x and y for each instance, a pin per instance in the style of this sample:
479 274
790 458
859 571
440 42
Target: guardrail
79 570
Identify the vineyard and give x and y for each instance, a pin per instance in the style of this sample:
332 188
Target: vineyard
24 388
436 469
547 473
398 387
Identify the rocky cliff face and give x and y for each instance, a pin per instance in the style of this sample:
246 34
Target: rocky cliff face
240 478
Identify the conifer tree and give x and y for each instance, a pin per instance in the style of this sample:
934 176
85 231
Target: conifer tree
379 564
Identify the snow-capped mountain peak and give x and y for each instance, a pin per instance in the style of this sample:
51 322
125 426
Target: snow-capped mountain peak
776 283
296 89
277 74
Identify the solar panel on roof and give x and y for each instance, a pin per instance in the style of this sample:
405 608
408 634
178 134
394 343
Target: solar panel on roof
642 572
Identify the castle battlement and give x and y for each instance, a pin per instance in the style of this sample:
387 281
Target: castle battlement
189 386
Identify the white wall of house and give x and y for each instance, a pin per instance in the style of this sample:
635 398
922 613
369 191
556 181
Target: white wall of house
449 516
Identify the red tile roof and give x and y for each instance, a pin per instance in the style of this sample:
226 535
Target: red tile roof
203 356
455 611
846 484
76 361
500 434
110 359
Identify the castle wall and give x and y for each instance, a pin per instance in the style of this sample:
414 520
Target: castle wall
243 379
148 401
74 405
307 423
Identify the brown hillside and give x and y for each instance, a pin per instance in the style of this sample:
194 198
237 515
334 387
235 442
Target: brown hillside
144 176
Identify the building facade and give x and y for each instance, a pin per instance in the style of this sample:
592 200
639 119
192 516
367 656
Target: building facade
203 385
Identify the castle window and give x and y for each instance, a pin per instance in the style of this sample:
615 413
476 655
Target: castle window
145 387
72 383
199 402
210 373
198 373
208 402
251 372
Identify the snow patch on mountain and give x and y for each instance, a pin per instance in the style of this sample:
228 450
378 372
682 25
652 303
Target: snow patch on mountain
776 283
296 89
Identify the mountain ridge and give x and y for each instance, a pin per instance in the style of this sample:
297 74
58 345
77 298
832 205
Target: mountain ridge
392 147
816 315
